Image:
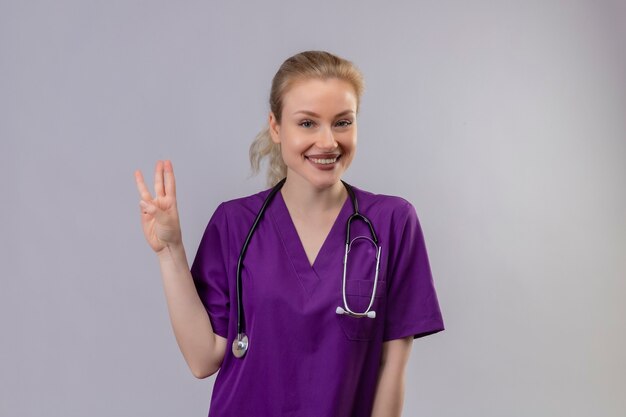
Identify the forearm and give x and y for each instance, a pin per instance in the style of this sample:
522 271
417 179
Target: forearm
389 396
190 322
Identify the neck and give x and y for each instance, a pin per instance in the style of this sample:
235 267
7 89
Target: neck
304 197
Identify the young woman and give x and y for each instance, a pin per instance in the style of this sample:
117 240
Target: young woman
304 307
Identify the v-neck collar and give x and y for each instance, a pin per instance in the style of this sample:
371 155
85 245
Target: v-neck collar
330 251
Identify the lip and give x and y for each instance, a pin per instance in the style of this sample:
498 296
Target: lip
323 155
324 167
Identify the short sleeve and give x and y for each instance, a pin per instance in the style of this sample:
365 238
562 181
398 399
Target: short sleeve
209 271
412 304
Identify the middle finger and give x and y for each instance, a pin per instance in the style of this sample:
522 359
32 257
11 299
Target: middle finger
158 179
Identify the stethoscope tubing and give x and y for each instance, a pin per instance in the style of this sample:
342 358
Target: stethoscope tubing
347 310
244 248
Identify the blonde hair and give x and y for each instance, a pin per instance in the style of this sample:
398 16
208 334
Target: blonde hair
304 65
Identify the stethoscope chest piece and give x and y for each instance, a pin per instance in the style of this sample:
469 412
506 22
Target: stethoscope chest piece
240 346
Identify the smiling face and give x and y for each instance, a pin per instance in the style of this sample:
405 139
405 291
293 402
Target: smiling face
317 131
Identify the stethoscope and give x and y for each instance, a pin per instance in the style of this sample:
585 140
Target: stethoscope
241 343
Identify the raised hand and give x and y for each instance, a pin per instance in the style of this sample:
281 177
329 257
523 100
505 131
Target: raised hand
159 215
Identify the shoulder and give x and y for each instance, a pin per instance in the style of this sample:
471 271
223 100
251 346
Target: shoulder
239 206
232 218
383 204
389 212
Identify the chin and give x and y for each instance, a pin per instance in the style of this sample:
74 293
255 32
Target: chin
323 183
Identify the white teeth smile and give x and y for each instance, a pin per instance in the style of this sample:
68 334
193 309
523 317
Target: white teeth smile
324 161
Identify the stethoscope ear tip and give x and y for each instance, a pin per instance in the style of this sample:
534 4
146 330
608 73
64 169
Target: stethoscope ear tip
340 310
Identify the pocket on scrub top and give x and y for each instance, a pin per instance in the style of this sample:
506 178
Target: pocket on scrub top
358 294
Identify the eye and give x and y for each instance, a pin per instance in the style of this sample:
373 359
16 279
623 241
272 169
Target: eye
302 123
344 123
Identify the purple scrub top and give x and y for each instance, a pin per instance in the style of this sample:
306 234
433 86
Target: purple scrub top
304 359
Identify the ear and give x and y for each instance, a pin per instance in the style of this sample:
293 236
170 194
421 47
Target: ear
274 128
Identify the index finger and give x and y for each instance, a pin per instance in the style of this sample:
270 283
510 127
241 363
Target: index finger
141 186
170 183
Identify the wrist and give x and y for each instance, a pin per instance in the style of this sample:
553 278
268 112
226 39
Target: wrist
170 250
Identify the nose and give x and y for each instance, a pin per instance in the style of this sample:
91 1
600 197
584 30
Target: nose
326 140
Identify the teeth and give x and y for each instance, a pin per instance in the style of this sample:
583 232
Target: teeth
323 161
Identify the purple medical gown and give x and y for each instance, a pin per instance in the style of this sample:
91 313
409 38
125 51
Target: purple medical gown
303 359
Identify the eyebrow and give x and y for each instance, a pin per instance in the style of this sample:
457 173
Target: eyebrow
310 113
